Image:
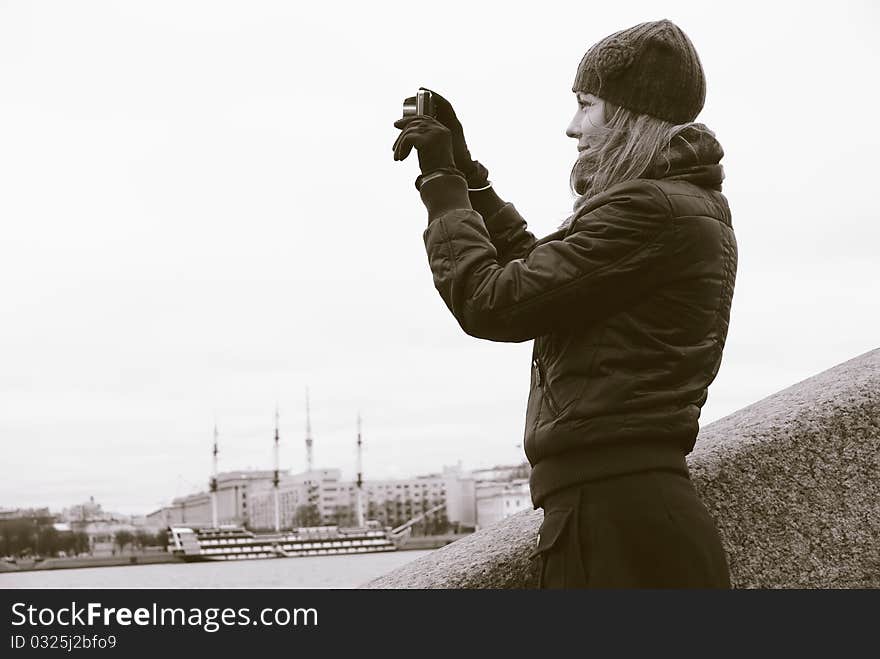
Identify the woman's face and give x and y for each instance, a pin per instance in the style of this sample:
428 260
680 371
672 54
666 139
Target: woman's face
586 125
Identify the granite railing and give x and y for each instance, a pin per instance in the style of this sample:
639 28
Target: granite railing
792 481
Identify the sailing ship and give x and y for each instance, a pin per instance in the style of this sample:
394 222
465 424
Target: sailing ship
230 543
233 542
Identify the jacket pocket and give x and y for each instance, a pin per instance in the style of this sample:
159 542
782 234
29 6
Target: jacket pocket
553 550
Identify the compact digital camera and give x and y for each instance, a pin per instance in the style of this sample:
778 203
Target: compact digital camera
421 103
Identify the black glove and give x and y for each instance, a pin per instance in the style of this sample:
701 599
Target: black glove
432 140
476 174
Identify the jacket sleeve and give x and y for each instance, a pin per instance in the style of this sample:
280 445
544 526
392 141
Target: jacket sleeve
506 227
613 256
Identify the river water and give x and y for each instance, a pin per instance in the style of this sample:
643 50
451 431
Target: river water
301 572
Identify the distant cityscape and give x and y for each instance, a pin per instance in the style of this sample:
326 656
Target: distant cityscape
452 501
319 497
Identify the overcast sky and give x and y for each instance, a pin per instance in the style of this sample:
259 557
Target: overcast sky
201 217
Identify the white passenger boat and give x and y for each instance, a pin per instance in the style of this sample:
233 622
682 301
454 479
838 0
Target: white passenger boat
230 543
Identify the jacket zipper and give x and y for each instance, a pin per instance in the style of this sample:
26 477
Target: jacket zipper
540 380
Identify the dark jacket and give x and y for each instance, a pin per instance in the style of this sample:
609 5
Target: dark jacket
628 306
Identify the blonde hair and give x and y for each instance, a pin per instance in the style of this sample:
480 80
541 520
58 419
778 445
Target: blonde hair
629 145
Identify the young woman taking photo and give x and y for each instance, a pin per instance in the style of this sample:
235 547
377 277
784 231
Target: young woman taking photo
627 303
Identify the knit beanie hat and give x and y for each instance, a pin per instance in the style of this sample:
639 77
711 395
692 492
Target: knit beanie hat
651 68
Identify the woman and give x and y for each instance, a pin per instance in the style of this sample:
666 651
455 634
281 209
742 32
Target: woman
627 302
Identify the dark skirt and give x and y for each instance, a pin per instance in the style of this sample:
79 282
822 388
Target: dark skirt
641 530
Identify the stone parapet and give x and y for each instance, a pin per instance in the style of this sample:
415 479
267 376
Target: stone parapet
793 482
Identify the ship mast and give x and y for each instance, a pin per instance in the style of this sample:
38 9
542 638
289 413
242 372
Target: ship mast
360 482
308 435
214 481
275 479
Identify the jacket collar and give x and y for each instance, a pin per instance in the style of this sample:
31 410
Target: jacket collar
693 156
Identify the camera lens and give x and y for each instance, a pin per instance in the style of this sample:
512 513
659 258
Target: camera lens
410 108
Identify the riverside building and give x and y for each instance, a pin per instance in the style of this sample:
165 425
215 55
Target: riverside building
497 500
453 500
233 502
470 500
320 497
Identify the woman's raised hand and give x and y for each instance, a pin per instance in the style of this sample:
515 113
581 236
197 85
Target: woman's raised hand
443 112
432 140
